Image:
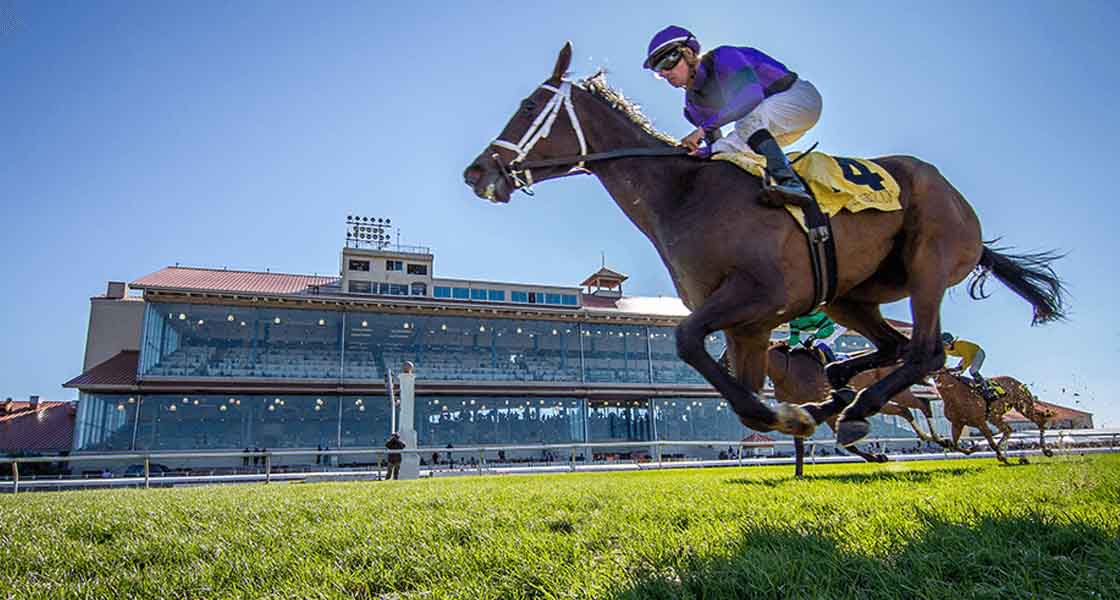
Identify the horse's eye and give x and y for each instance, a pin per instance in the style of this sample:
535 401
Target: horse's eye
528 106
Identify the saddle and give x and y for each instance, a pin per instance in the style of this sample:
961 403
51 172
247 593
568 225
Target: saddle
994 389
835 184
815 353
991 392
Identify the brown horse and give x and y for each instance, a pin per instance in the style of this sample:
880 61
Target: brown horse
799 378
743 267
965 407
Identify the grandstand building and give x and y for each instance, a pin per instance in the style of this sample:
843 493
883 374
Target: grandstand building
193 358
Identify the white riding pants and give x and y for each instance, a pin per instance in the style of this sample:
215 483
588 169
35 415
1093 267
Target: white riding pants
787 115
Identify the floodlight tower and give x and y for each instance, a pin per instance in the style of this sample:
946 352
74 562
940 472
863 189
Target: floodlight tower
369 232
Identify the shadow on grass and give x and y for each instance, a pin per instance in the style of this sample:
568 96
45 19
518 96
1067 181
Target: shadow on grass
861 478
1030 556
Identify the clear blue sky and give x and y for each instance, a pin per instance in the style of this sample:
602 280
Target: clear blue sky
135 135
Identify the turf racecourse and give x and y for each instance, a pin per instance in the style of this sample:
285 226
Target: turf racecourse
946 529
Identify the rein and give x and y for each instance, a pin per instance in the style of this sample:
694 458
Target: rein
519 171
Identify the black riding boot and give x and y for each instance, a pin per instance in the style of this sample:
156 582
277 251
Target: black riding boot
786 181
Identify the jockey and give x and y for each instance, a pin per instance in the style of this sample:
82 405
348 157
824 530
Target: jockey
972 358
821 329
770 106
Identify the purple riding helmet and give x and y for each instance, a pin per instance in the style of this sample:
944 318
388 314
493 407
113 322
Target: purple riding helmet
666 41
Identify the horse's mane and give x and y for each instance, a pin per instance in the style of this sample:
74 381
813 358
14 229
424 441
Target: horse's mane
597 86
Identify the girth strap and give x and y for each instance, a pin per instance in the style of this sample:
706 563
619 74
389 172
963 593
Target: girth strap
822 251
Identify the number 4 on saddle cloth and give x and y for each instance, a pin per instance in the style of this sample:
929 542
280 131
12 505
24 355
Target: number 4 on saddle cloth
852 184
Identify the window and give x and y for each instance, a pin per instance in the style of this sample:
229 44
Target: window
419 289
394 265
570 300
533 298
460 293
398 289
552 298
496 295
477 294
359 265
360 287
441 291
417 269
519 296
383 288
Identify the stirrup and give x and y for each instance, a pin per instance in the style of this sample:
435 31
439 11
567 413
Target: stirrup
780 194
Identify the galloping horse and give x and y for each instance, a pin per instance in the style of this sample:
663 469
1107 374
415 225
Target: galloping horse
965 407
743 267
799 379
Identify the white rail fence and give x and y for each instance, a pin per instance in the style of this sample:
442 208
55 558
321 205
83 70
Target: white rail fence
483 460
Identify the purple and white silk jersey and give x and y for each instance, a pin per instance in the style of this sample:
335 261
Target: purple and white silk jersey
730 82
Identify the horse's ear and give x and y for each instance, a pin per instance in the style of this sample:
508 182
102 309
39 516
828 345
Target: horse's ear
562 62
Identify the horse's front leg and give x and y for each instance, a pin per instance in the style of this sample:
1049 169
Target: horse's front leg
745 305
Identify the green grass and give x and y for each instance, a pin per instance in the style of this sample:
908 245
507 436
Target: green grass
961 529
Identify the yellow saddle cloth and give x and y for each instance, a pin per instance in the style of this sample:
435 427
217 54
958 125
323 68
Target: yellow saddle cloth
853 184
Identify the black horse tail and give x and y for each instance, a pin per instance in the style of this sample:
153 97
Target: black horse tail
1028 275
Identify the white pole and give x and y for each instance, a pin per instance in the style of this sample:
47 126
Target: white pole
410 463
392 401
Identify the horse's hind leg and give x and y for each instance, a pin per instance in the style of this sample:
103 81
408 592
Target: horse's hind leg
742 305
866 456
891 408
867 319
1003 427
1046 451
992 442
931 260
954 442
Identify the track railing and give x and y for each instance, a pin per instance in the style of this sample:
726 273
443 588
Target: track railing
1086 440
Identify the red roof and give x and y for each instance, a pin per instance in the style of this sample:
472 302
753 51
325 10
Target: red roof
757 438
50 428
117 371
218 280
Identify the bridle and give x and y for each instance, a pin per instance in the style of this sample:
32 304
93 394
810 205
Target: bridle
538 130
519 172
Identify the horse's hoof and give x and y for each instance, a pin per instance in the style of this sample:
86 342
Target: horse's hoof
850 432
1048 453
881 458
794 420
1023 460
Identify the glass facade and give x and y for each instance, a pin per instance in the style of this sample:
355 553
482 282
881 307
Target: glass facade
200 340
105 421
697 419
616 354
619 420
483 420
667 367
237 421
225 422
244 342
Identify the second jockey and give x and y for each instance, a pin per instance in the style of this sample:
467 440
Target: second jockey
770 105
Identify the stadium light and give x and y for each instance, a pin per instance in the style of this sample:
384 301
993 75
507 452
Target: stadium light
369 232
